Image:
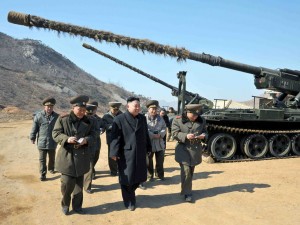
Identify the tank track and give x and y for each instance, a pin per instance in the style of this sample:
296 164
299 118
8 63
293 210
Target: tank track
255 160
244 158
242 130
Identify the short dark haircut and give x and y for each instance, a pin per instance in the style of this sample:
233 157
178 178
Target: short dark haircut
132 98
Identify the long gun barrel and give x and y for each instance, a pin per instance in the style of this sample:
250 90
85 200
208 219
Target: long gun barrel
175 90
282 80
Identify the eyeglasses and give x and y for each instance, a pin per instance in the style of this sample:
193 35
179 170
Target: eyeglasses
131 99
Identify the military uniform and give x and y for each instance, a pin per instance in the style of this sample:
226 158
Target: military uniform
100 128
93 147
171 115
73 160
108 121
156 125
188 152
168 125
43 124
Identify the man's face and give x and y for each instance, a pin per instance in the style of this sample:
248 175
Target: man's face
79 111
48 109
134 107
114 111
162 113
192 116
152 111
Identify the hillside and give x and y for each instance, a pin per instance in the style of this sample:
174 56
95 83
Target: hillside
30 71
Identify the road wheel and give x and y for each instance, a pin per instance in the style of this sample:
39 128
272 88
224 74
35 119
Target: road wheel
255 146
296 144
280 145
222 146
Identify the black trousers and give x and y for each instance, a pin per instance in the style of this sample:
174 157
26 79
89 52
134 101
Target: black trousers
128 193
72 186
96 156
113 165
43 160
159 165
169 134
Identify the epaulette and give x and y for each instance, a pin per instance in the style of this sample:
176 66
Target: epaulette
64 115
178 117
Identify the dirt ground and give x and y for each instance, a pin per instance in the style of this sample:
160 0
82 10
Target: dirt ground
261 192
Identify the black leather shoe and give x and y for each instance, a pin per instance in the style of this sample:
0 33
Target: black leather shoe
142 186
79 211
188 198
131 207
43 178
89 191
65 210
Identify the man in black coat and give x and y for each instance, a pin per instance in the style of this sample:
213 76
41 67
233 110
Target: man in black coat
100 128
129 147
108 118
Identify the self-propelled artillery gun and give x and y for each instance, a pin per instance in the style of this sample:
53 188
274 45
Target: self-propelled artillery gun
271 130
184 97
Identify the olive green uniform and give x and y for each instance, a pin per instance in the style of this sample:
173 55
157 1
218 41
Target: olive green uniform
187 152
93 148
72 160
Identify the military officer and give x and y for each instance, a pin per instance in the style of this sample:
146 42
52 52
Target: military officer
88 177
171 114
157 131
189 130
43 124
114 110
163 114
100 127
74 132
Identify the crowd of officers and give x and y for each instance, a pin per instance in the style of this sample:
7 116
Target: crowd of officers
133 139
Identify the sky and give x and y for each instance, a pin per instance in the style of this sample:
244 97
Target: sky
256 32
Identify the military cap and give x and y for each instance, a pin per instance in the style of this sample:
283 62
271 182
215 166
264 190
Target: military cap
93 102
80 100
193 108
152 104
132 98
115 105
49 101
90 108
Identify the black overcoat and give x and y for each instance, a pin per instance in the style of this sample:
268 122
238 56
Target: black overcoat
108 119
130 143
